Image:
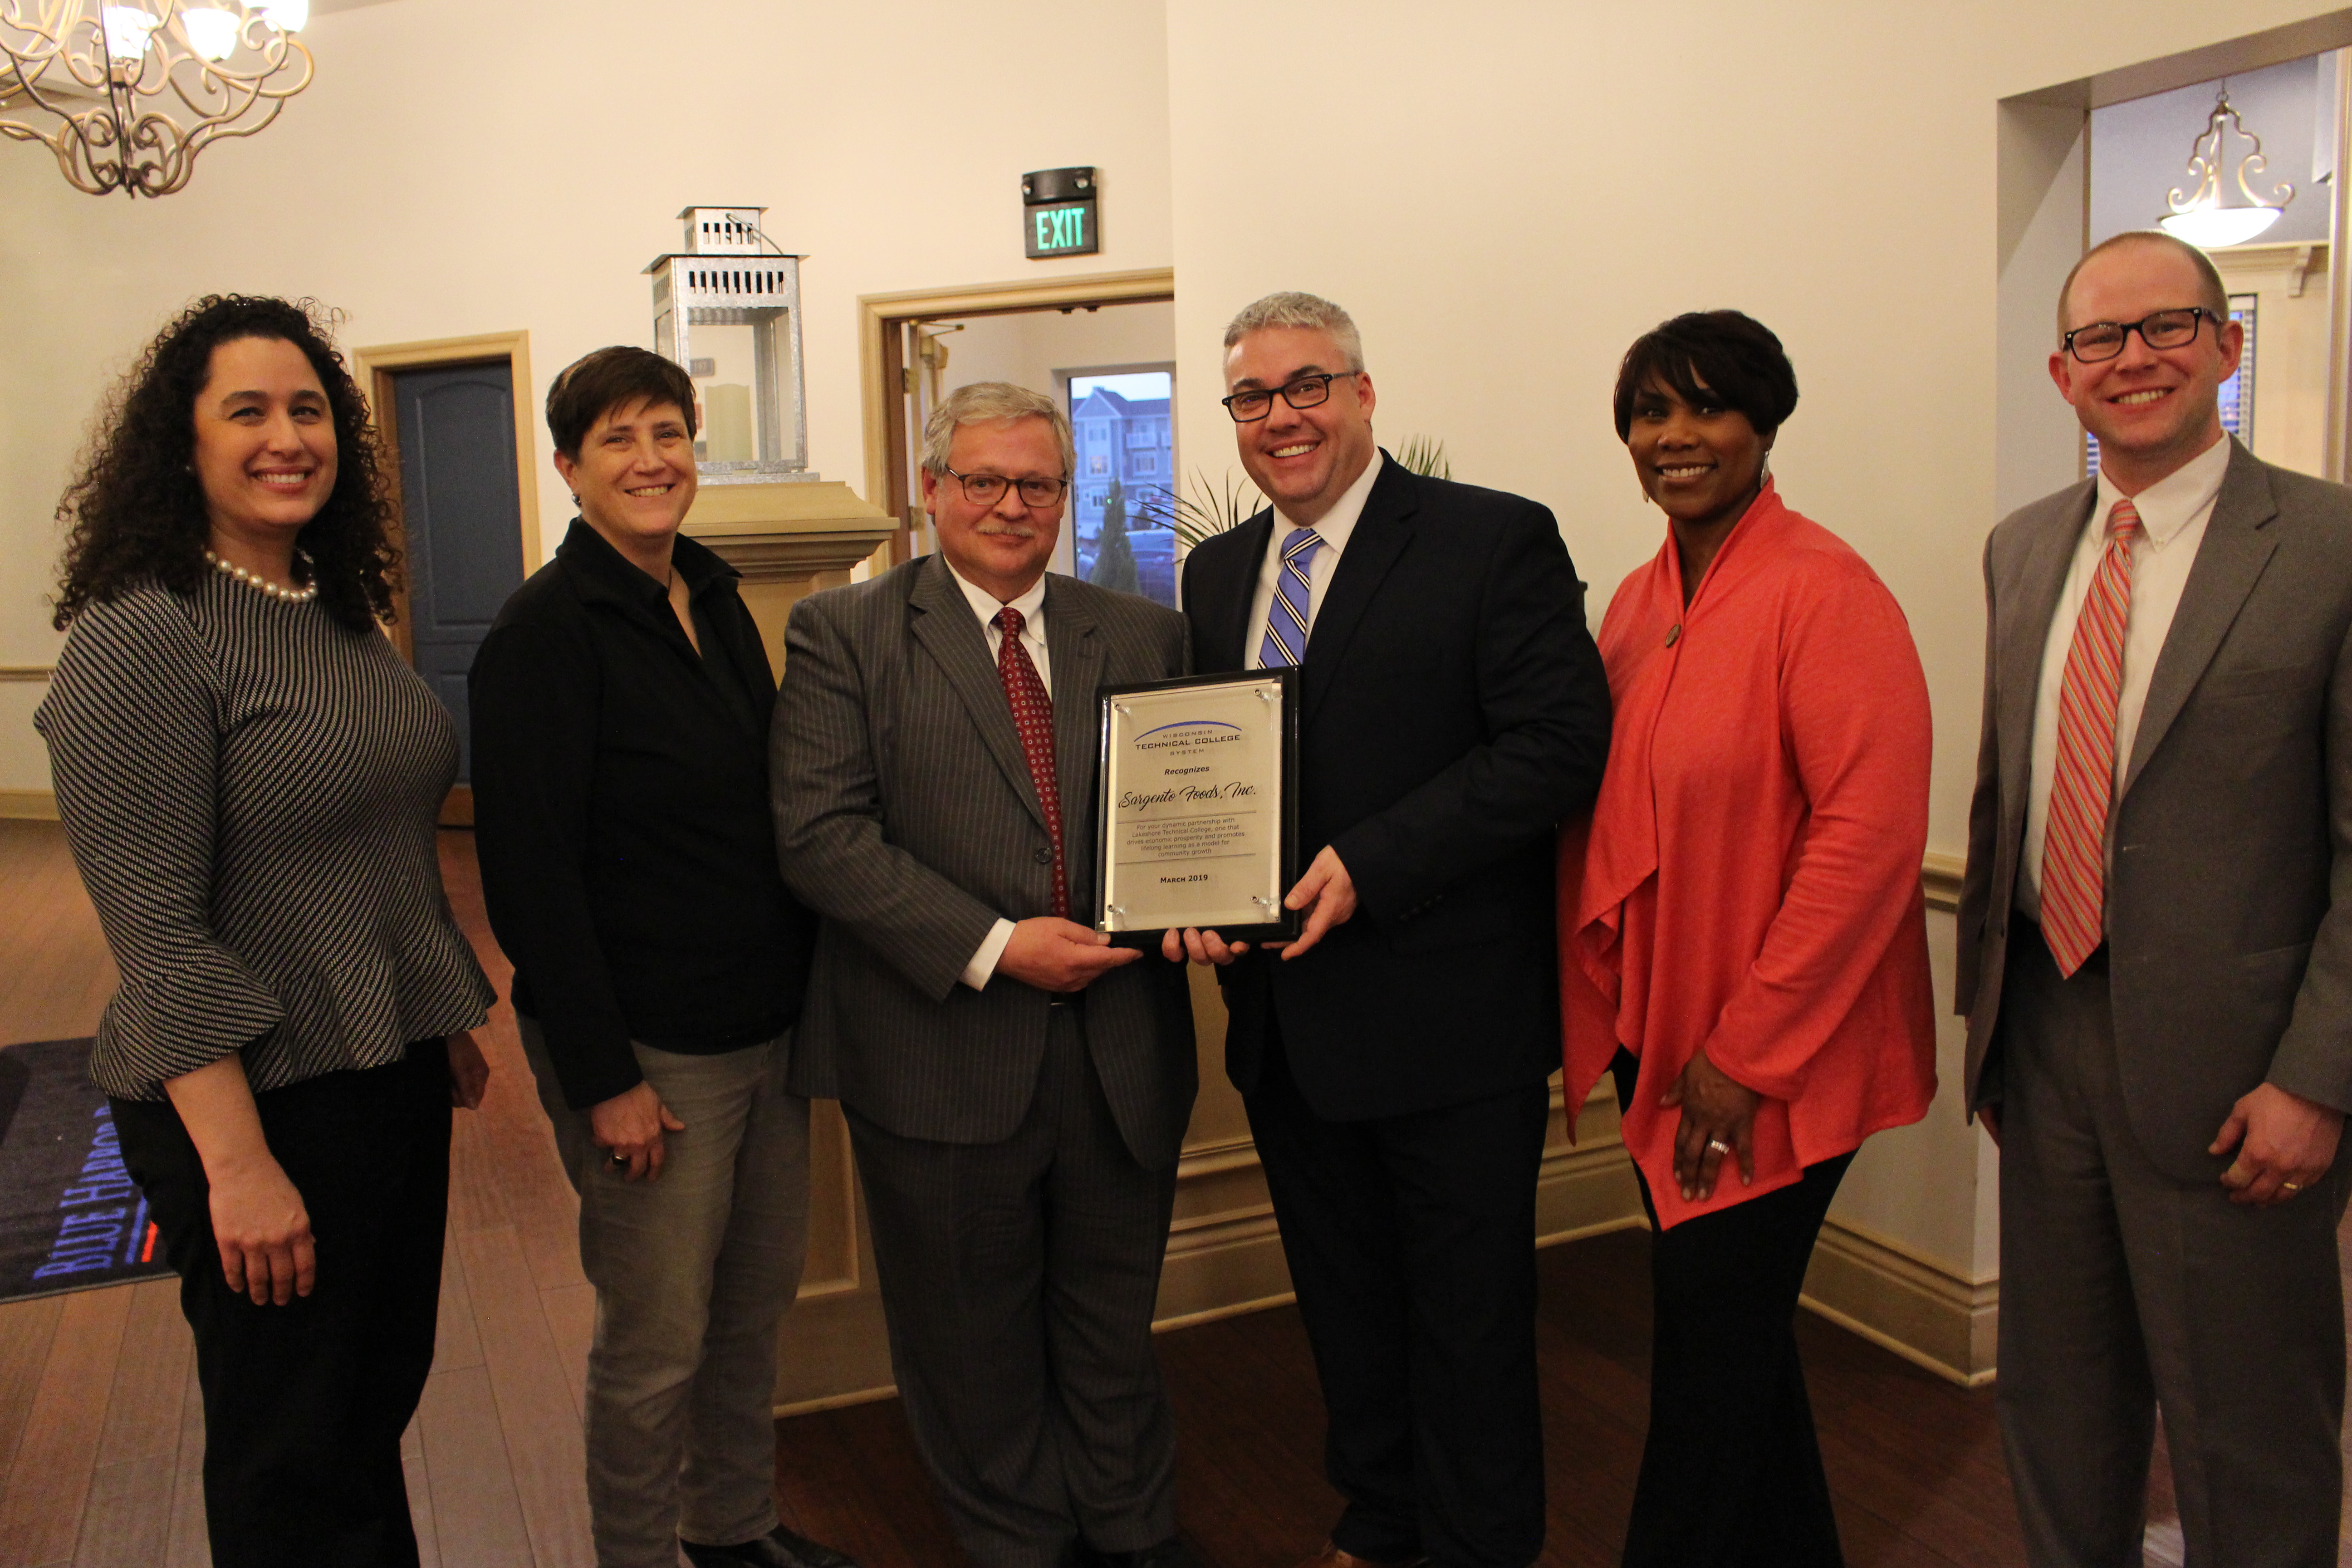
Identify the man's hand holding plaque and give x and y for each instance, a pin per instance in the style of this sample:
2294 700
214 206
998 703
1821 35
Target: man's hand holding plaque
1326 895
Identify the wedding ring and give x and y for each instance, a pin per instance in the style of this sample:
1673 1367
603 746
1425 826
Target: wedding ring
1718 1146
2290 1186
620 1160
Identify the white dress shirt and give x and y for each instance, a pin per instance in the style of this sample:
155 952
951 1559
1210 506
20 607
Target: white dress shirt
1031 605
1335 526
2173 513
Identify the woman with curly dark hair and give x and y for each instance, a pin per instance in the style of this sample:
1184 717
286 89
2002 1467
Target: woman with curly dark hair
249 776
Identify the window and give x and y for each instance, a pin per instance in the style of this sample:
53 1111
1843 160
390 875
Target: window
1137 555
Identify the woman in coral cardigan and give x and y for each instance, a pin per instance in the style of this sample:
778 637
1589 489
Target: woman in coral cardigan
1744 944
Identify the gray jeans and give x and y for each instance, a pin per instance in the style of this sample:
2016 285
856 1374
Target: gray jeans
692 1272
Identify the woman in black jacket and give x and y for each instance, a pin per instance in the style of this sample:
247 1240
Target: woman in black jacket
620 714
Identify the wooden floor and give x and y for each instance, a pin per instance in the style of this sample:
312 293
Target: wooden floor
1914 1462
102 1437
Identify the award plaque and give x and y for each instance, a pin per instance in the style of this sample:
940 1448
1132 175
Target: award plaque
1199 806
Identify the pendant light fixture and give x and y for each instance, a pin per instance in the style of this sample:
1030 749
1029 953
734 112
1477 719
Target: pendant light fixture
2207 217
125 93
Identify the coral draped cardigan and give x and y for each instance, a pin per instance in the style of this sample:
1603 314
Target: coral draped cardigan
1749 882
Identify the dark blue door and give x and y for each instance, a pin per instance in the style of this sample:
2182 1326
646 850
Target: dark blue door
455 427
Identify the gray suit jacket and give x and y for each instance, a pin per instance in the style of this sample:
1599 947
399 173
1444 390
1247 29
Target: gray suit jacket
906 816
2229 904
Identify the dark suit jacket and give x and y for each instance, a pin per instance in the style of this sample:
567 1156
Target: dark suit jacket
621 814
2229 904
1454 710
906 816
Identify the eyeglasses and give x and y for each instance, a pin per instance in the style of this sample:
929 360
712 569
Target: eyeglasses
987 489
1248 407
2103 340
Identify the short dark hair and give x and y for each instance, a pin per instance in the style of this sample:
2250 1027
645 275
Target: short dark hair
135 512
2209 276
1734 356
595 385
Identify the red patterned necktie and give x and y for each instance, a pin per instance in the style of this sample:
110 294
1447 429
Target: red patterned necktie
2074 847
1033 715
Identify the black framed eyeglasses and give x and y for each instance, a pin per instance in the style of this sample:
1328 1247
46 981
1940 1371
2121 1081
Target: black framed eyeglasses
1306 391
987 489
2103 340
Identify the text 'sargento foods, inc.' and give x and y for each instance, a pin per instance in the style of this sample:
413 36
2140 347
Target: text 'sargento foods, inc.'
1137 800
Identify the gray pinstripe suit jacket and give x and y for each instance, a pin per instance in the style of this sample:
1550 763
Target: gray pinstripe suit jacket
905 815
2230 899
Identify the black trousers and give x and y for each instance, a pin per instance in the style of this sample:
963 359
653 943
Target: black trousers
1411 1244
1731 1474
304 1404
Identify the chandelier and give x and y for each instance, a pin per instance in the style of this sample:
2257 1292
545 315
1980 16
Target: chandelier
2200 218
127 92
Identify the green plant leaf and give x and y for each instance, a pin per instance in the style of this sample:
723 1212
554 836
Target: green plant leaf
1202 509
1425 455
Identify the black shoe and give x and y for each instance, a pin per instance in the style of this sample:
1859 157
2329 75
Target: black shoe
779 1548
1174 1552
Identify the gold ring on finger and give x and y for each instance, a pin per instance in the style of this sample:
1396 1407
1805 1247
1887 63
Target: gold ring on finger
1718 1146
2290 1186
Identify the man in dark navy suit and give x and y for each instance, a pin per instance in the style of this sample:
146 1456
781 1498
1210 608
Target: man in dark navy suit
1394 1057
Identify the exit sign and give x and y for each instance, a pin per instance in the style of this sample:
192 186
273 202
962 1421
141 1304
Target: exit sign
1058 215
1067 229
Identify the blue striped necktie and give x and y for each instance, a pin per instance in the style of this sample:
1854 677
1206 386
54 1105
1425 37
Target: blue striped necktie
1294 595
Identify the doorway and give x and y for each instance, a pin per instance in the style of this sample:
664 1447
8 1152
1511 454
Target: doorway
1111 367
2081 160
457 446
919 346
2277 278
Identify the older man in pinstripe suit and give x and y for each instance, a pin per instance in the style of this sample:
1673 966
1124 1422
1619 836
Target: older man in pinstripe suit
1017 1089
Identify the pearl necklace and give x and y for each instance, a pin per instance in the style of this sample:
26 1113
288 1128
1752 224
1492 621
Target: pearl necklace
301 596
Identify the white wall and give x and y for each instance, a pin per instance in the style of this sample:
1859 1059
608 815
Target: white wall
1507 195
461 168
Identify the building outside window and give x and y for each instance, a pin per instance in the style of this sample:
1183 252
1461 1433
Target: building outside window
1119 506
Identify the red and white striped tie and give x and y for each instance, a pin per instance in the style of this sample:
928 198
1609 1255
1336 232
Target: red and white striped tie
2073 848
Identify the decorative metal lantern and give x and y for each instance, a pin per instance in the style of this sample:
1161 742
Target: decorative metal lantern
728 309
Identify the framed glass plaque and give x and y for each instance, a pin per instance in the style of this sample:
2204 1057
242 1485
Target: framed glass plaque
1199 806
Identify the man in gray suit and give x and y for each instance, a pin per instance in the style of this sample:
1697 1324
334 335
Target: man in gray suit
1017 1089
2156 948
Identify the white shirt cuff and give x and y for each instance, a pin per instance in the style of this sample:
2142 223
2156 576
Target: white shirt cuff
983 961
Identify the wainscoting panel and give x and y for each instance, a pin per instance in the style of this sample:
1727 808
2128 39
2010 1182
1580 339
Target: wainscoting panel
1225 1253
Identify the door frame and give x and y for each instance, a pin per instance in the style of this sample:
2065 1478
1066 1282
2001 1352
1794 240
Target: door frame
883 372
373 369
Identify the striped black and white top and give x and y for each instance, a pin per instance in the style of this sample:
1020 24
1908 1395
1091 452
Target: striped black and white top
250 791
